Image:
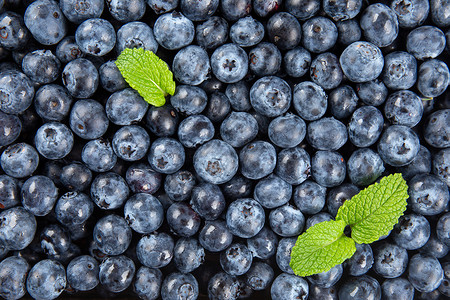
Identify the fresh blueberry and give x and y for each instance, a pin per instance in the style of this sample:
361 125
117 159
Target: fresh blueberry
283 254
116 273
319 34
270 96
95 36
136 35
425 42
245 217
162 6
264 244
397 289
348 31
13 275
41 66
208 201
19 160
328 278
379 24
173 31
390 260
433 78
191 65
131 142
232 10
144 213
342 10
14 35
420 164
46 280
73 208
364 167
265 59
109 190
309 197
425 273
247 32
54 140
39 201
444 287
439 9
218 107
81 10
182 219
361 261
284 30
404 108
141 178
400 70
223 284
17 228
428 194
195 130
80 77
9 192
179 286
166 155
189 100
238 187
297 62
272 191
112 235
236 260
239 96
257 159
436 131
86 265
328 168
111 79
327 134
198 10
125 107
365 126
398 145
286 221
286 286
229 63
52 102
45 21
188 254
310 100
178 186
338 195
215 236
372 92
54 241
411 13
10 128
362 61
303 10
318 293
260 276
238 129
155 250
127 10
287 131
16 92
361 287
411 232
98 155
435 247
326 71
147 283
162 121
212 33
343 101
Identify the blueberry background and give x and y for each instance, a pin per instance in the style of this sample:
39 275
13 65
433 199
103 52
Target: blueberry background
290 106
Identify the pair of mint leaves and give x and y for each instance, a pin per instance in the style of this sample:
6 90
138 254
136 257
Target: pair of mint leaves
371 213
146 73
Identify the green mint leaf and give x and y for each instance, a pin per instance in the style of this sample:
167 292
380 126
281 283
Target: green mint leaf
320 248
374 211
146 73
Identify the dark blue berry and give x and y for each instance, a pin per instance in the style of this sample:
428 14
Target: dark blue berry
81 10
328 168
310 100
155 250
46 280
52 102
284 30
96 36
327 134
189 100
17 228
144 213
379 24
116 273
229 63
173 31
191 65
411 232
54 140
247 32
270 96
319 34
212 33
257 159
398 145
80 77
364 167
141 178
112 235
265 59
425 272
109 190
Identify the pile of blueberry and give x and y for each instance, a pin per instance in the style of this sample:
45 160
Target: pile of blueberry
283 110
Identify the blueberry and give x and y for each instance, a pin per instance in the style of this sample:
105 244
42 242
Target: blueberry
257 159
439 9
9 192
95 36
425 273
112 235
162 121
433 78
173 31
155 250
109 190
327 134
73 208
17 228
259 276
13 32
188 254
189 100
238 187
444 287
303 10
361 261
411 13
236 260
425 42
362 61
86 265
229 63
10 128
19 160
435 247
16 92
411 232
440 165
318 293
309 197
284 30
265 59
144 213
54 140
270 96
404 108
342 10
218 107
54 241
131 142
182 219
287 131
400 70
436 129
13 275
264 8
272 191
361 287
191 65
310 100
348 31
212 33
208 201
215 236
283 254
328 278
223 285
297 62
116 273
379 24
195 130
41 66
178 186
45 21
238 129
110 77
141 178
166 155
397 289
232 10
136 35
338 195
179 285
216 162
162 6
286 286
198 10
286 221
364 167
390 260
80 78
420 164
398 145
365 126
46 280
343 101
319 34
328 168
52 102
428 195
98 155
239 96
294 165
247 32
39 201
245 217
81 10
264 244
147 284
325 71
126 11
372 92
125 107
